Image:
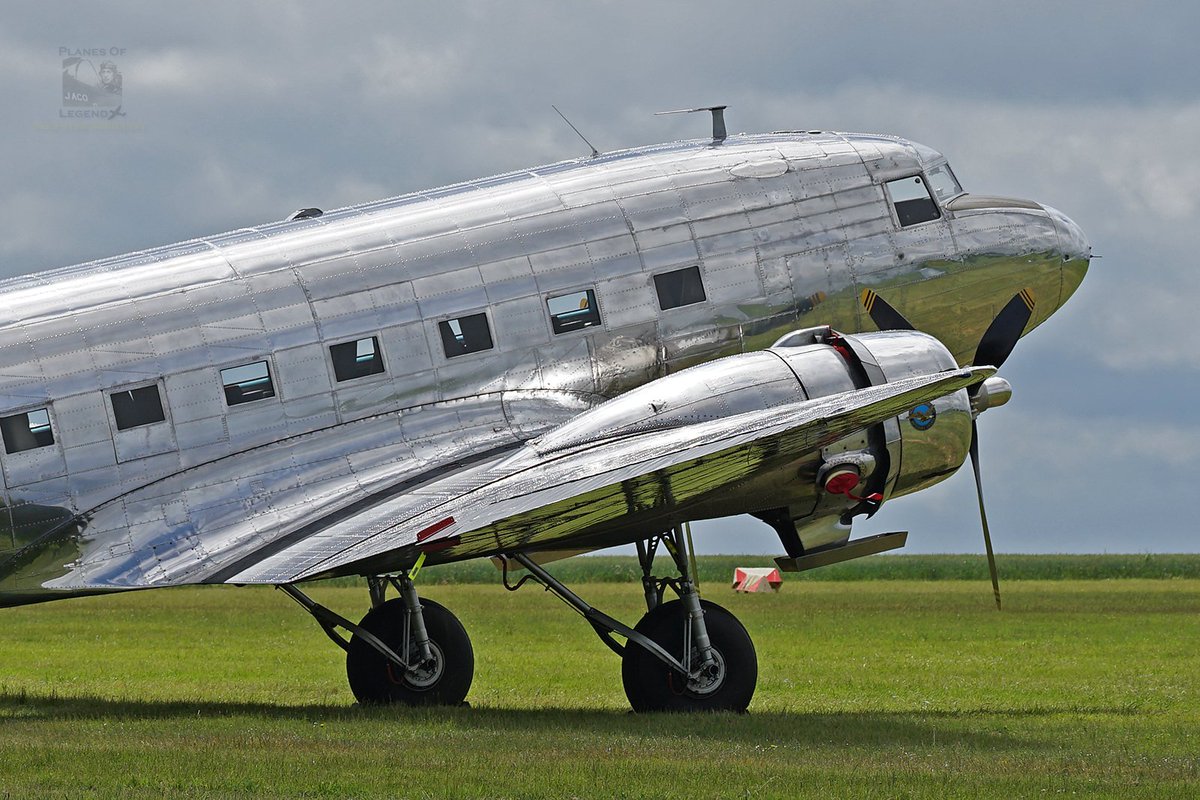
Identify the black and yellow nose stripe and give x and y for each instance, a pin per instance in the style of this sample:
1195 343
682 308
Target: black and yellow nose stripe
882 314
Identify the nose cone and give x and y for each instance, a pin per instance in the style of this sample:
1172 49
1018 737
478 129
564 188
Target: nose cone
1076 252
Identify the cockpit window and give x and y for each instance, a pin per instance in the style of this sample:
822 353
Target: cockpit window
943 182
912 200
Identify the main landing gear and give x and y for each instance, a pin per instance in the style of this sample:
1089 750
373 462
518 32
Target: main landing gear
713 665
405 650
685 654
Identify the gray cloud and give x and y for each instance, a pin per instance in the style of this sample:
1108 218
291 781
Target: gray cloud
238 114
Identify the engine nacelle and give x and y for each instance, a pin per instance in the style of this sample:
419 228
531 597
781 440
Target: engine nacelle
899 456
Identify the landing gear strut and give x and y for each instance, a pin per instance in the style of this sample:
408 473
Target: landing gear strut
405 650
684 655
714 648
724 683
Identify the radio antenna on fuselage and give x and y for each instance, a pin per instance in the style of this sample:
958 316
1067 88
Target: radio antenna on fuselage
595 152
718 118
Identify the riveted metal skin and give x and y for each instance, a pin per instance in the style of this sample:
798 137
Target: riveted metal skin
917 457
785 230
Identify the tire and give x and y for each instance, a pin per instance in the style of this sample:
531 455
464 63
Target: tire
651 685
375 681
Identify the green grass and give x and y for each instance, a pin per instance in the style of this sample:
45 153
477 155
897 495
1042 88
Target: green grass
882 689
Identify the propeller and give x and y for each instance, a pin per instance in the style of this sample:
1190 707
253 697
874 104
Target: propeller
1001 336
995 346
987 535
883 315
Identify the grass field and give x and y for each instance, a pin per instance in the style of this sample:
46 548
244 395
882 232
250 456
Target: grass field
872 689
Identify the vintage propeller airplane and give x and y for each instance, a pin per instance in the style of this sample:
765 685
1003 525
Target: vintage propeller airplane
565 358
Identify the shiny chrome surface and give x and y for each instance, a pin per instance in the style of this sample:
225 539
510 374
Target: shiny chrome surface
992 393
631 484
922 456
784 228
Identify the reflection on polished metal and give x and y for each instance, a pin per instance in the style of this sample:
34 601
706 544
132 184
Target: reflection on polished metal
344 392
992 393
222 492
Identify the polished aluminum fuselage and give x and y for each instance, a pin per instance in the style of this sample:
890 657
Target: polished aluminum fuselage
785 228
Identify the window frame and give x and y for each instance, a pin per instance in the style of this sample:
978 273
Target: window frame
954 176
271 374
383 361
594 307
112 410
26 410
448 318
895 212
658 294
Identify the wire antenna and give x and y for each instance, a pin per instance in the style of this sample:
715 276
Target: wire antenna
595 152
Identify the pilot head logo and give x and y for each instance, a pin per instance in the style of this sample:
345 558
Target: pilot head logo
86 83
111 80
922 416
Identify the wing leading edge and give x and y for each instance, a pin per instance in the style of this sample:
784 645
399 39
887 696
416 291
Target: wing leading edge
532 498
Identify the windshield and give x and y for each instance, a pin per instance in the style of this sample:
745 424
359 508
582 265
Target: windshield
943 182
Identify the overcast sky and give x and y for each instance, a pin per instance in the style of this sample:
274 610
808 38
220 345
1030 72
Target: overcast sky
235 117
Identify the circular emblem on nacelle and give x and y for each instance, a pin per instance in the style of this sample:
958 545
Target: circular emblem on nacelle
922 416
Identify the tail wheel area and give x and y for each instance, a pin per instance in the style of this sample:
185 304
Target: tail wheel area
442 679
725 685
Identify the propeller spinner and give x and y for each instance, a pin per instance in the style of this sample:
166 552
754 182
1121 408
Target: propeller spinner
995 346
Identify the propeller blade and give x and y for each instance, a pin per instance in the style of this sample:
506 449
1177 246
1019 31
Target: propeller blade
883 315
995 347
987 536
1002 335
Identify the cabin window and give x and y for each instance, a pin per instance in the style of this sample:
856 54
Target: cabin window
570 312
26 431
247 383
464 335
680 287
134 407
356 359
912 201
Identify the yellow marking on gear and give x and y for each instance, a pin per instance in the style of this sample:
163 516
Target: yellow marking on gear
416 568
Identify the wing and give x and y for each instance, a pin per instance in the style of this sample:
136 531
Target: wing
534 497
369 497
195 524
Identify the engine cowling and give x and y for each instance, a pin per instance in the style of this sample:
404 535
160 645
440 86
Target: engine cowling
899 456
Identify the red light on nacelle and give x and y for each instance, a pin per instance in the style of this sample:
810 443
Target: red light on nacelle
841 481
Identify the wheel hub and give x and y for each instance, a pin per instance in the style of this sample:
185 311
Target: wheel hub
422 675
710 678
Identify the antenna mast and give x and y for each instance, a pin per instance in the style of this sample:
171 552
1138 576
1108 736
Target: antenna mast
718 119
595 152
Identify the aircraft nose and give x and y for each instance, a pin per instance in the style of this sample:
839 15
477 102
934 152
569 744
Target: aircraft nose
1071 238
1076 252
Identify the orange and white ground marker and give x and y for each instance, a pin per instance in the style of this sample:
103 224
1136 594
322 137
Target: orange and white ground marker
757 579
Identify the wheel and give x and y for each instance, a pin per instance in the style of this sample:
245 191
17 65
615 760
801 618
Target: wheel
651 685
443 682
